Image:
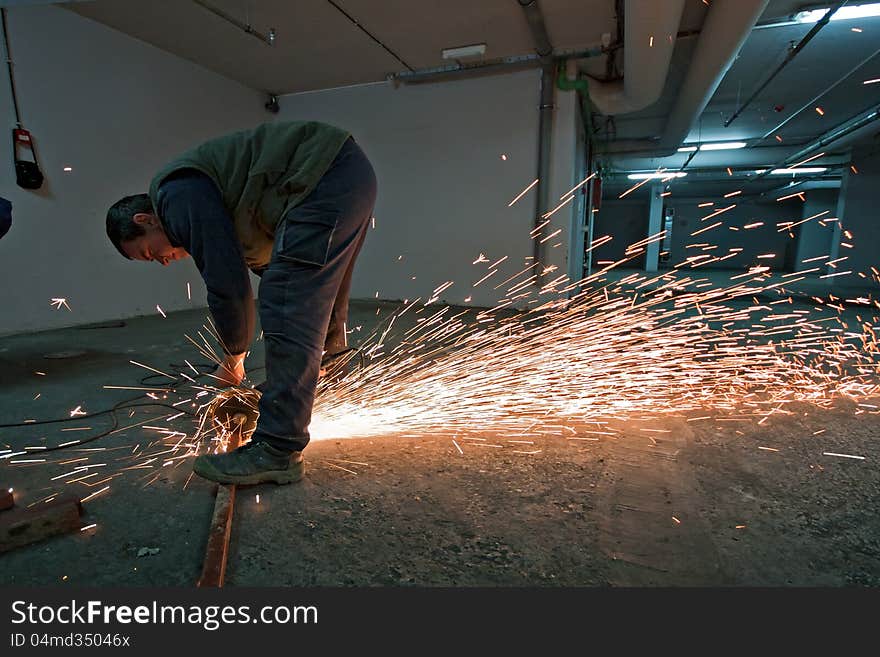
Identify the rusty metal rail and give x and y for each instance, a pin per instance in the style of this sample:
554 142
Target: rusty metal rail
217 550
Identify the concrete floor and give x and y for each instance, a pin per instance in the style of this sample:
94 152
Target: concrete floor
701 505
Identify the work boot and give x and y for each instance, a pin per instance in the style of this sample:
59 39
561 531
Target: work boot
253 463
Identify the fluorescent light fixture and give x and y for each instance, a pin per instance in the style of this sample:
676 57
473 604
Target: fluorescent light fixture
658 176
475 50
723 146
844 13
778 172
717 146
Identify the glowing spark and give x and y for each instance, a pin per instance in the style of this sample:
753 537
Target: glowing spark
551 235
188 292
92 526
523 192
491 273
58 303
729 172
739 191
161 312
845 456
809 159
557 208
677 521
95 494
77 412
820 111
457 446
717 212
152 369
580 184
339 467
503 157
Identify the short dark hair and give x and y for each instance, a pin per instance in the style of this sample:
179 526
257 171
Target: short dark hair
120 219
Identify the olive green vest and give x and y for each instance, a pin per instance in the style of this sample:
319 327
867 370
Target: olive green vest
261 173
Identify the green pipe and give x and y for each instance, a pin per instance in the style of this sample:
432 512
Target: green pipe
563 83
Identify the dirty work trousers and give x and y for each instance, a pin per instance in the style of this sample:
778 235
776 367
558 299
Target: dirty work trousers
303 295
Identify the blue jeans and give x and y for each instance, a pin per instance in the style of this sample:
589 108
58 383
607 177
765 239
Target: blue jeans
304 293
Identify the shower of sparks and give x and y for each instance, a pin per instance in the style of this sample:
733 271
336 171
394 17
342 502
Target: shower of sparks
581 359
58 303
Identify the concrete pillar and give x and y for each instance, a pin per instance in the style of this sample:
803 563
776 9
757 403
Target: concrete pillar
655 223
814 239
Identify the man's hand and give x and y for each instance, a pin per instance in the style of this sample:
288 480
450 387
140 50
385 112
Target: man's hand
230 372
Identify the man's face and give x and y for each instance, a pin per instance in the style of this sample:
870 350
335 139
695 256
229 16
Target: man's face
154 244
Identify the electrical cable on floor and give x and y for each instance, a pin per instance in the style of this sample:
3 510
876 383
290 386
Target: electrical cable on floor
125 403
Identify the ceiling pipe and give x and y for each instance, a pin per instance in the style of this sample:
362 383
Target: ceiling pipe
266 38
821 94
649 39
728 23
853 129
794 52
492 67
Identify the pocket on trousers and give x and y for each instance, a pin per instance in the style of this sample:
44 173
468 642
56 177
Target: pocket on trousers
305 241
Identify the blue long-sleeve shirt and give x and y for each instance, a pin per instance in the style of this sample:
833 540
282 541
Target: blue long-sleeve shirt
193 215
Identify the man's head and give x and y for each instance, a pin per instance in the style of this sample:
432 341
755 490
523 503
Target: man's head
137 233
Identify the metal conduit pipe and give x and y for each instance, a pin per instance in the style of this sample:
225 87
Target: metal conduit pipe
499 66
727 25
810 103
853 129
544 48
649 39
269 39
794 52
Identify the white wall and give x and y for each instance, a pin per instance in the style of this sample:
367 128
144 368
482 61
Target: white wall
114 109
814 239
443 187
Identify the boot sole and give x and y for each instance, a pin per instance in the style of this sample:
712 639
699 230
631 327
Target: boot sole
292 474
